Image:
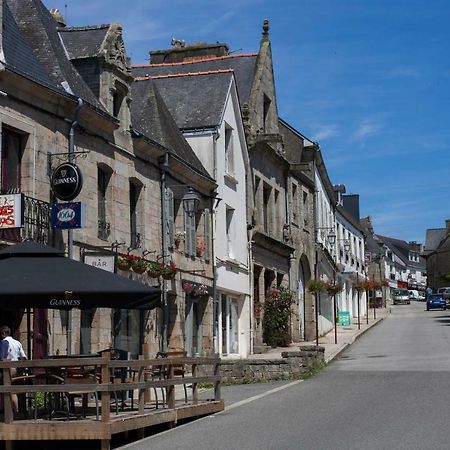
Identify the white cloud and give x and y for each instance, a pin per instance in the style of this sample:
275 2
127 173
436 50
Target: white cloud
364 129
325 132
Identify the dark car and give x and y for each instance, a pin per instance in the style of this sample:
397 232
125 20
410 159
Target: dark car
436 301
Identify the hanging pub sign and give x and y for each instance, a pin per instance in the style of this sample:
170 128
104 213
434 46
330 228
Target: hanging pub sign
67 216
11 211
66 181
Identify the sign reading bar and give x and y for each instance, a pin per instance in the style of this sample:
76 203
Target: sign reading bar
66 181
104 262
11 211
67 215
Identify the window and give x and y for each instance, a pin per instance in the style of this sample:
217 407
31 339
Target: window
170 217
135 191
103 178
12 150
207 230
294 203
229 230
266 108
266 201
305 209
229 150
190 242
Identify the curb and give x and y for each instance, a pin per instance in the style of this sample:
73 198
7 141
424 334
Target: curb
354 338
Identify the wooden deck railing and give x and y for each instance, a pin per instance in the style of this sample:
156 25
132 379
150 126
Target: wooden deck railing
139 376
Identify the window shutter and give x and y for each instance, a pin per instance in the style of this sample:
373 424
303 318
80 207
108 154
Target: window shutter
207 224
170 210
189 227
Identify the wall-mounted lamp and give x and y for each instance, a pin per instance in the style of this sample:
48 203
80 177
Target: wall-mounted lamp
191 201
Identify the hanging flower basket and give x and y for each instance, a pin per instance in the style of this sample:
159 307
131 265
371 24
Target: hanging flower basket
154 269
316 286
334 288
139 266
187 288
168 272
123 264
360 285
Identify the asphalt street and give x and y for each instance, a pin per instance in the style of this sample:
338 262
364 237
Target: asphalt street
387 391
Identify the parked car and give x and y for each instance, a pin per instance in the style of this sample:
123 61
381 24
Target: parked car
401 296
416 295
445 292
436 301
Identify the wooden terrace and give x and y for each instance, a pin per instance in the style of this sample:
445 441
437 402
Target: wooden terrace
81 398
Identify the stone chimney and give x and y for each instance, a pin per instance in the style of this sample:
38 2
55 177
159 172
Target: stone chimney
447 225
415 246
57 16
182 52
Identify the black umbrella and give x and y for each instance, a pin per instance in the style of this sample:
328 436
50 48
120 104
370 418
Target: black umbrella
34 275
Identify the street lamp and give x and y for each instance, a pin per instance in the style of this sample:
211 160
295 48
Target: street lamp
191 201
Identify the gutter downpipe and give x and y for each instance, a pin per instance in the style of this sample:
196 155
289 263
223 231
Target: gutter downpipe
71 158
164 167
216 346
316 245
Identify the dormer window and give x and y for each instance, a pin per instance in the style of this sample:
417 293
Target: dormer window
229 151
266 108
119 92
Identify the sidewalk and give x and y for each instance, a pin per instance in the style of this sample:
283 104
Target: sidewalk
346 335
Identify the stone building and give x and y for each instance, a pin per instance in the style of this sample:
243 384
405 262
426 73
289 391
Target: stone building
63 85
268 223
437 254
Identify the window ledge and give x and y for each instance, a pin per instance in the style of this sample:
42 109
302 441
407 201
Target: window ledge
231 178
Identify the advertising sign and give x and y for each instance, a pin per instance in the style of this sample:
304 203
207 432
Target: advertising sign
67 216
11 211
104 262
66 181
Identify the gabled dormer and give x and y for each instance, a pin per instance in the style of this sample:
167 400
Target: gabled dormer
260 113
98 53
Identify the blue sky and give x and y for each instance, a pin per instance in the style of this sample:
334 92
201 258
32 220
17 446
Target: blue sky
367 79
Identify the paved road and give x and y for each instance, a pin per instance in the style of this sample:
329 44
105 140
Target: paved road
388 391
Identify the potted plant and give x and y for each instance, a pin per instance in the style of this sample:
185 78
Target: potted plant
202 291
187 287
123 262
200 248
333 288
169 271
316 286
139 265
154 269
360 285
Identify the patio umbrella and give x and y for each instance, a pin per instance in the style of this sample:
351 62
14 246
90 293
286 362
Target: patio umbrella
34 275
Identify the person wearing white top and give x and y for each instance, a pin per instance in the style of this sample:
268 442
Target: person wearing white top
10 349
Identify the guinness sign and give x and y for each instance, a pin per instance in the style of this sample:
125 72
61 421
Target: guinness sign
66 181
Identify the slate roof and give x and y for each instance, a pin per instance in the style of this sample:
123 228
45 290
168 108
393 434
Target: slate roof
195 101
243 66
18 55
433 239
402 249
151 117
40 31
83 42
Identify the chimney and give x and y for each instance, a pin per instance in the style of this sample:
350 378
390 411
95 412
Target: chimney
415 247
188 52
447 225
59 19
